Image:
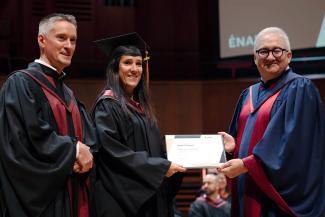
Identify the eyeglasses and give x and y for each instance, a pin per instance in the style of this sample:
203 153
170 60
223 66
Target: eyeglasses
276 52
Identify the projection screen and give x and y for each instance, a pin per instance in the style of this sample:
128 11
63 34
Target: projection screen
240 21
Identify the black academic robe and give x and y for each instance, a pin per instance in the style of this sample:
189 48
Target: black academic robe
35 160
131 164
204 207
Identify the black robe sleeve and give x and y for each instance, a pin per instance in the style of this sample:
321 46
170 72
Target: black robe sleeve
35 161
88 129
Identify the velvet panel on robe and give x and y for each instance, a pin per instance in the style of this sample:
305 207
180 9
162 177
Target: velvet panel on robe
36 161
131 164
292 149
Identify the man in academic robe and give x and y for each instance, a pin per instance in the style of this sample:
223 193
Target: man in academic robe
277 140
45 132
210 204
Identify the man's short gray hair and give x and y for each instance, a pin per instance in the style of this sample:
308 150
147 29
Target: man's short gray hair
273 30
47 22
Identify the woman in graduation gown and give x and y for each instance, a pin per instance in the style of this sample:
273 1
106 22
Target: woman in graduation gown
133 177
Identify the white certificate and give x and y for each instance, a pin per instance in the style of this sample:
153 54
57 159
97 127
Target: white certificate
195 151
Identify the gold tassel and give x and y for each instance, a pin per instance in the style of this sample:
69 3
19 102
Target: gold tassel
146 59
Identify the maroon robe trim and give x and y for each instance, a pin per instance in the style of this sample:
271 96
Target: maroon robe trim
109 93
252 197
50 79
133 103
59 109
234 182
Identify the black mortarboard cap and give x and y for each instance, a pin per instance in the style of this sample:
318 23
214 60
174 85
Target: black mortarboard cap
107 45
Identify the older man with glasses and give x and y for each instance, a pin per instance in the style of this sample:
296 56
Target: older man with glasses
277 139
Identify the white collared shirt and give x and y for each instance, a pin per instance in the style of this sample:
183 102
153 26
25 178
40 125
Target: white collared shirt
45 64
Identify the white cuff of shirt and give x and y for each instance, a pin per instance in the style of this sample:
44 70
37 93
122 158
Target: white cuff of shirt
77 150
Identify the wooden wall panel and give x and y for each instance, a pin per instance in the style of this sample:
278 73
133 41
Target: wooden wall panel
86 90
178 106
172 32
219 101
320 83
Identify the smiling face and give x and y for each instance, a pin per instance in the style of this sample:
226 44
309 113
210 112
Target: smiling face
130 72
222 181
271 67
58 45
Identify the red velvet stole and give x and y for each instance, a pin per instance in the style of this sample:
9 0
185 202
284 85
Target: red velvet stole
134 104
59 109
109 93
256 182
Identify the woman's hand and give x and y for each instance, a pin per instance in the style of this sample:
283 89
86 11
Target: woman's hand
174 168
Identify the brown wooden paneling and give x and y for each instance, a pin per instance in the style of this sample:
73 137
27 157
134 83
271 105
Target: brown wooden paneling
178 106
86 90
320 83
219 101
190 188
171 30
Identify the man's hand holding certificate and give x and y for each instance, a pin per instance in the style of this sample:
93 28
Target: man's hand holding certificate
195 151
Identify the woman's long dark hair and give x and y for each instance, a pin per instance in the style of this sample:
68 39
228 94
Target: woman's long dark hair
113 82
